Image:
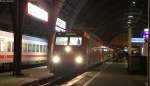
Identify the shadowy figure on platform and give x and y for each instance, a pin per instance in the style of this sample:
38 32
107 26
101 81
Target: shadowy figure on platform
119 56
115 57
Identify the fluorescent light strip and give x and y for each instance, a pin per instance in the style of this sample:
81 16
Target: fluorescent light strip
37 12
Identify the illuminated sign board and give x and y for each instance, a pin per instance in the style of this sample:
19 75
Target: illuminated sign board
37 12
70 34
137 40
59 29
61 23
67 34
146 33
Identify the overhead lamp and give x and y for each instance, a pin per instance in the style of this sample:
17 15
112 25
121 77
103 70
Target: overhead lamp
130 16
133 2
37 12
146 30
129 22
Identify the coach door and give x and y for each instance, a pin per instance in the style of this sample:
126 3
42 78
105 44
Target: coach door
3 51
2 57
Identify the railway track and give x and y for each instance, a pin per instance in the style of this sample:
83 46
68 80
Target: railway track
43 82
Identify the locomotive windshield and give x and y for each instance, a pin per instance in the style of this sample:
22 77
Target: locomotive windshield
61 40
75 41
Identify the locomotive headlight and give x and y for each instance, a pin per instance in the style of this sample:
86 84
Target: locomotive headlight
67 48
56 59
79 59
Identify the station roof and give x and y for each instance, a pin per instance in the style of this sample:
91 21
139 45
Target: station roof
104 18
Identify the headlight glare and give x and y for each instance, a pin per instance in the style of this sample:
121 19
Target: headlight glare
56 59
79 59
67 48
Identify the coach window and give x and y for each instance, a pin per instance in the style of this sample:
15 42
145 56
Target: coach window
1 46
37 48
9 46
40 48
33 48
45 49
25 47
29 47
75 41
12 46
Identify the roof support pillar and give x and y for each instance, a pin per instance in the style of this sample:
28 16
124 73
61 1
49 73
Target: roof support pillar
129 40
55 8
148 58
18 9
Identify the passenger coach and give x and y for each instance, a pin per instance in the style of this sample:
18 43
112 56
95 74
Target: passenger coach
34 51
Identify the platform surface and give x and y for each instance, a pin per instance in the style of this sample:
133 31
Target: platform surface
108 74
29 76
117 75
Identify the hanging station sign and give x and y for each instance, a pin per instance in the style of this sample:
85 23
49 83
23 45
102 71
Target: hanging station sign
37 12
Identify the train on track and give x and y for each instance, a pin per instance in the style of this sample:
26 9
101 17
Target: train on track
34 51
73 52
70 52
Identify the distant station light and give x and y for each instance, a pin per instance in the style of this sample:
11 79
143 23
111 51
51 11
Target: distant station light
130 16
146 33
106 49
146 30
103 47
60 25
129 22
133 2
125 49
37 12
137 40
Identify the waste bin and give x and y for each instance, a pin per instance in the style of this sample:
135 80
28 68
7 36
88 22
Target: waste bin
137 64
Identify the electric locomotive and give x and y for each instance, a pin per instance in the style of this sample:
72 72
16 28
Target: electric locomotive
73 52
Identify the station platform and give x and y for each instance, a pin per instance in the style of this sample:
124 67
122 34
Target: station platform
108 74
30 76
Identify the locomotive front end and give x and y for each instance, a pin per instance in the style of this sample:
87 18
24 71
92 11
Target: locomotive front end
73 55
68 55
